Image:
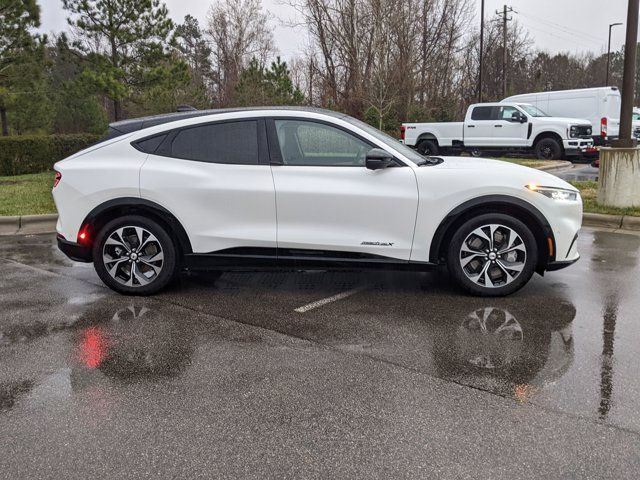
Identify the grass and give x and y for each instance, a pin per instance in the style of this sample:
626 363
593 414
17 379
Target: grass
31 194
589 192
26 194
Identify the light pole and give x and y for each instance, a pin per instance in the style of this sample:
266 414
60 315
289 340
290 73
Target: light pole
481 49
609 52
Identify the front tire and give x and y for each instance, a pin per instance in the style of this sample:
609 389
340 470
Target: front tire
492 255
134 255
548 148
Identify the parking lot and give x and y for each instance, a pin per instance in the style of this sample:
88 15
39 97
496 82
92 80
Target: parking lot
320 374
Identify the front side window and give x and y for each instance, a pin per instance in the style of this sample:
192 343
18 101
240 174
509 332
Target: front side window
230 142
308 143
505 113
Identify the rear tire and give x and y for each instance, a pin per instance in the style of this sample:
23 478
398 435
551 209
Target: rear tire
548 148
428 147
492 255
134 255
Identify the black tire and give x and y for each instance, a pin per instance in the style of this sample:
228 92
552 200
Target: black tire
548 148
168 268
428 147
460 276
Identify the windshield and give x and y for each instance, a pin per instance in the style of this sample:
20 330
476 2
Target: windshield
533 111
410 153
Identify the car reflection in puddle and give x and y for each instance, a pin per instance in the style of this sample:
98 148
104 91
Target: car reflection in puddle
492 350
137 343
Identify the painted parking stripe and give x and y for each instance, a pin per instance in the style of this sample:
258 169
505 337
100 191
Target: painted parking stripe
324 301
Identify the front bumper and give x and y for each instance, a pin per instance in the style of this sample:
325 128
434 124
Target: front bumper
577 147
75 251
559 265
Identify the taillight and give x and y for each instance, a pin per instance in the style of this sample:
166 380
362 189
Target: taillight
603 127
56 179
84 235
402 131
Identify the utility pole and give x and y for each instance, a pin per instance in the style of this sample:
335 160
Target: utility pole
505 18
628 79
481 51
606 84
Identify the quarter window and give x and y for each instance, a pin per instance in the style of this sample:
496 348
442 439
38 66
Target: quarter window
229 142
309 143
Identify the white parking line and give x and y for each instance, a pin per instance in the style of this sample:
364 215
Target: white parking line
324 301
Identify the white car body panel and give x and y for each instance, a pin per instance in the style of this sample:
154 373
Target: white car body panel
340 208
219 205
393 212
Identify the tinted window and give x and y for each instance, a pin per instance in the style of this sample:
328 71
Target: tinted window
317 144
231 142
150 145
483 113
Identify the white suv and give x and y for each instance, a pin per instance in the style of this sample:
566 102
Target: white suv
303 188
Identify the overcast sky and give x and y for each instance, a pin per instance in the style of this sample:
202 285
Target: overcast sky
554 25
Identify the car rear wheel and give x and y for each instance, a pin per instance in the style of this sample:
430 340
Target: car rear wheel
428 147
548 149
134 256
492 255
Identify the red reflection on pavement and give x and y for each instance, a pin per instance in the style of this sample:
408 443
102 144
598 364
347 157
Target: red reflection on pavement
93 347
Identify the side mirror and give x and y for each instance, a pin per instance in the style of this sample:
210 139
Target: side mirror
377 159
517 117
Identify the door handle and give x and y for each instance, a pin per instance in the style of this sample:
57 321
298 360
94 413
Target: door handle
471 126
498 126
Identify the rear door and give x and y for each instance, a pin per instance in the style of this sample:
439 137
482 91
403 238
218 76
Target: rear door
329 204
478 127
216 179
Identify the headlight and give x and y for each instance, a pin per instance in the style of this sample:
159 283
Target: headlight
573 131
554 193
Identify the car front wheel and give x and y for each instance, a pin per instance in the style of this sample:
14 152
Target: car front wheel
134 255
492 255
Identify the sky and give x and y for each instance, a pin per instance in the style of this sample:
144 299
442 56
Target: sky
555 25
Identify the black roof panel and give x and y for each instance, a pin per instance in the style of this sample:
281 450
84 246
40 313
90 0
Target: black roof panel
134 124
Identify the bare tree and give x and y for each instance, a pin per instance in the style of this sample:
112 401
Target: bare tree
239 31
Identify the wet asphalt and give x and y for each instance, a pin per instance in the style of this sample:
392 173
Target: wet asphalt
401 377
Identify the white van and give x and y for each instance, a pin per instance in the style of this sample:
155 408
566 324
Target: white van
601 106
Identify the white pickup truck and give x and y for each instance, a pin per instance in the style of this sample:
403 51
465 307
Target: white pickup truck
501 127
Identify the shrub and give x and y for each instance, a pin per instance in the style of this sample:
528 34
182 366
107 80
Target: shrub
22 154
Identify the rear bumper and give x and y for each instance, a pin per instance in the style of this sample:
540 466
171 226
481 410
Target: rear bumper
559 265
75 251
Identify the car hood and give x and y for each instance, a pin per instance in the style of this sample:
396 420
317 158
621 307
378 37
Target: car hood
483 167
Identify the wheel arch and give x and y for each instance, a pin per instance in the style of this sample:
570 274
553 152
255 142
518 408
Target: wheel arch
523 211
111 209
427 136
548 134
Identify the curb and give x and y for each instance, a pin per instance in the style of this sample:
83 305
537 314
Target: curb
34 224
28 224
560 166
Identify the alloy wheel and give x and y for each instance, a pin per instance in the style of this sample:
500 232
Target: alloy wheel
133 256
493 255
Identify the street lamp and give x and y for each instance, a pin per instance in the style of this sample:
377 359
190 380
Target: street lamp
609 52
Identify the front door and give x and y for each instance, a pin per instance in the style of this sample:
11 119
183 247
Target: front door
328 201
508 132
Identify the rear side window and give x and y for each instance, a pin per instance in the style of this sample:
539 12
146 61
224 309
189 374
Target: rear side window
484 113
230 142
150 145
